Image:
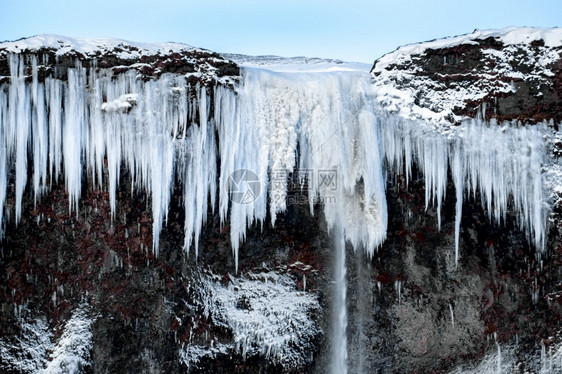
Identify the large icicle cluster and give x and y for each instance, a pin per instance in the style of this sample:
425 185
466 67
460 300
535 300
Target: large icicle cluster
323 128
501 164
96 117
424 92
329 118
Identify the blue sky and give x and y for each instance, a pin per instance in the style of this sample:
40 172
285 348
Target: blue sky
351 29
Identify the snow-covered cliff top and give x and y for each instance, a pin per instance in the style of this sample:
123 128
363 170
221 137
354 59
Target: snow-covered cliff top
516 71
296 64
150 59
93 47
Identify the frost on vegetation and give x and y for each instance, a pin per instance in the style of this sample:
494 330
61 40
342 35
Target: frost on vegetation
266 314
27 352
192 355
33 351
499 360
72 351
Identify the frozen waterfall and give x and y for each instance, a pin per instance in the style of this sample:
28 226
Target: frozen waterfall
235 149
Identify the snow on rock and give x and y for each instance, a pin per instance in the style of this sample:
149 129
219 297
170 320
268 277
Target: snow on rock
36 351
445 81
72 351
92 47
266 314
57 53
28 352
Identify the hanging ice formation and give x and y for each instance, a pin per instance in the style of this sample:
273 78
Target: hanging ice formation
323 126
498 163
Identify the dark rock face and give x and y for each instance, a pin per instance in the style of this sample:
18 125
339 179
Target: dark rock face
207 65
480 75
144 308
141 310
533 98
420 314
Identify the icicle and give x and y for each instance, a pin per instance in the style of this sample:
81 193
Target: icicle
457 171
39 132
73 133
17 134
331 119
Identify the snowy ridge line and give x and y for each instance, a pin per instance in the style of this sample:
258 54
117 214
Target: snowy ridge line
509 36
56 54
93 47
296 64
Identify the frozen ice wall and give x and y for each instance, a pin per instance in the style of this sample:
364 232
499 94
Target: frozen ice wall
319 126
322 129
95 118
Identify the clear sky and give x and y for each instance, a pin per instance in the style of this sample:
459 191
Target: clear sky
352 30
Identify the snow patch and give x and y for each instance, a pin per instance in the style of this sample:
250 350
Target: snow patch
28 352
266 313
35 352
403 88
72 352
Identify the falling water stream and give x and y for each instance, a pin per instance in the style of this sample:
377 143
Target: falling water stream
339 342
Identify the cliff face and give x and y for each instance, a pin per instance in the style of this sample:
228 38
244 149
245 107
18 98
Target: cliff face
507 74
456 281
